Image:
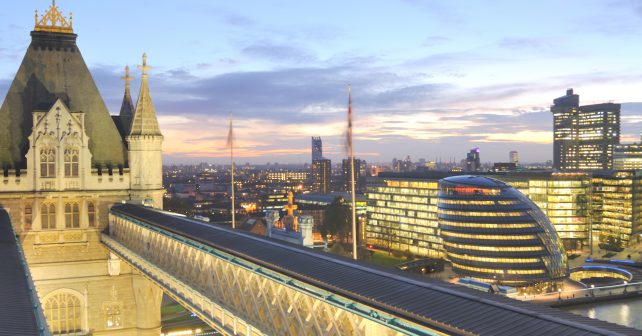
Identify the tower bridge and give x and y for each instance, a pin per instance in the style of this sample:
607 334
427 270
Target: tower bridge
100 267
242 284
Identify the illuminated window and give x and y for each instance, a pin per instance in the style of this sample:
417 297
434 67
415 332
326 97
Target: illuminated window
48 216
48 162
71 162
72 216
64 313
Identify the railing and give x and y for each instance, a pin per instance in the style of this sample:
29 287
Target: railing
133 240
585 294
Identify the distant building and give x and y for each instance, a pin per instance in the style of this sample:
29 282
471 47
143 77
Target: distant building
288 176
321 175
504 166
516 245
473 162
360 175
584 136
628 157
317 149
513 157
402 166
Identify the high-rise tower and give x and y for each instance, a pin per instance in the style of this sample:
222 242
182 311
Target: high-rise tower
317 149
584 136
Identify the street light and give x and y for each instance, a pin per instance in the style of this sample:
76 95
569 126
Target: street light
626 283
592 290
559 293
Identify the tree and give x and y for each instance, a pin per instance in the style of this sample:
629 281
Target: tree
336 219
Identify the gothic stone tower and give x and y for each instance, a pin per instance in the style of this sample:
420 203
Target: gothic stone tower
65 161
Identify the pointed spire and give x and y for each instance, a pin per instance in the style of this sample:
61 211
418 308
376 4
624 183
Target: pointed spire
145 121
127 108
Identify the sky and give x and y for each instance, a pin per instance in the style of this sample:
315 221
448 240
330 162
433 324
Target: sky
430 78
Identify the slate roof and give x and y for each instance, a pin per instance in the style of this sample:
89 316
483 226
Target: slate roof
446 307
17 313
54 68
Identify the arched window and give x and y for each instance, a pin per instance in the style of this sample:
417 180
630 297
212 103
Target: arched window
48 216
64 313
91 214
71 162
72 216
48 162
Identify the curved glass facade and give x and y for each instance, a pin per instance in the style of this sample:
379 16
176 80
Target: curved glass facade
494 233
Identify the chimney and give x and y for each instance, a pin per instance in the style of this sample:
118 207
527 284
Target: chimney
569 92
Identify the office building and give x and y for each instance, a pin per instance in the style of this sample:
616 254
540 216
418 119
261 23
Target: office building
565 198
473 163
317 149
504 167
584 136
617 208
360 175
493 233
513 157
402 213
290 176
628 157
321 176
402 207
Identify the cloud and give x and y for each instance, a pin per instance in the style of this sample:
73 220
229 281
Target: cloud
539 43
434 40
276 111
279 53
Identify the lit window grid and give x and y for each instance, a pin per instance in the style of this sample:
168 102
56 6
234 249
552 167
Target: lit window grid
402 215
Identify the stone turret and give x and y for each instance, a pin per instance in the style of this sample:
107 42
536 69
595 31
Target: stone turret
144 142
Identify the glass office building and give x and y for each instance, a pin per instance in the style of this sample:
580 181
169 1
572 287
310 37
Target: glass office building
565 198
494 233
402 213
584 136
617 208
628 157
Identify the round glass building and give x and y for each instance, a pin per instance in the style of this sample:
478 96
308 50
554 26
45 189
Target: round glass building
494 233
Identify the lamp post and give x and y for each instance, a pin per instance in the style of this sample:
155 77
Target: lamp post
626 283
559 294
592 290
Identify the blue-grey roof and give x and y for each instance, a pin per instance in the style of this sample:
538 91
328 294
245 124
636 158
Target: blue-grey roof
447 307
17 310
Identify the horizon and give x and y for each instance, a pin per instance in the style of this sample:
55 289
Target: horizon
436 79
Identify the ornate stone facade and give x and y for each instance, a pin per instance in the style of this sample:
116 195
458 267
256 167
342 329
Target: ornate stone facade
64 163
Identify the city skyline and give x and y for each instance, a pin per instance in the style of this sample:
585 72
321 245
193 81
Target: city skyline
437 79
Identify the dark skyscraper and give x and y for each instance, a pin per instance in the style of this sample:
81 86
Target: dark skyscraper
360 173
584 136
473 162
317 149
322 175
